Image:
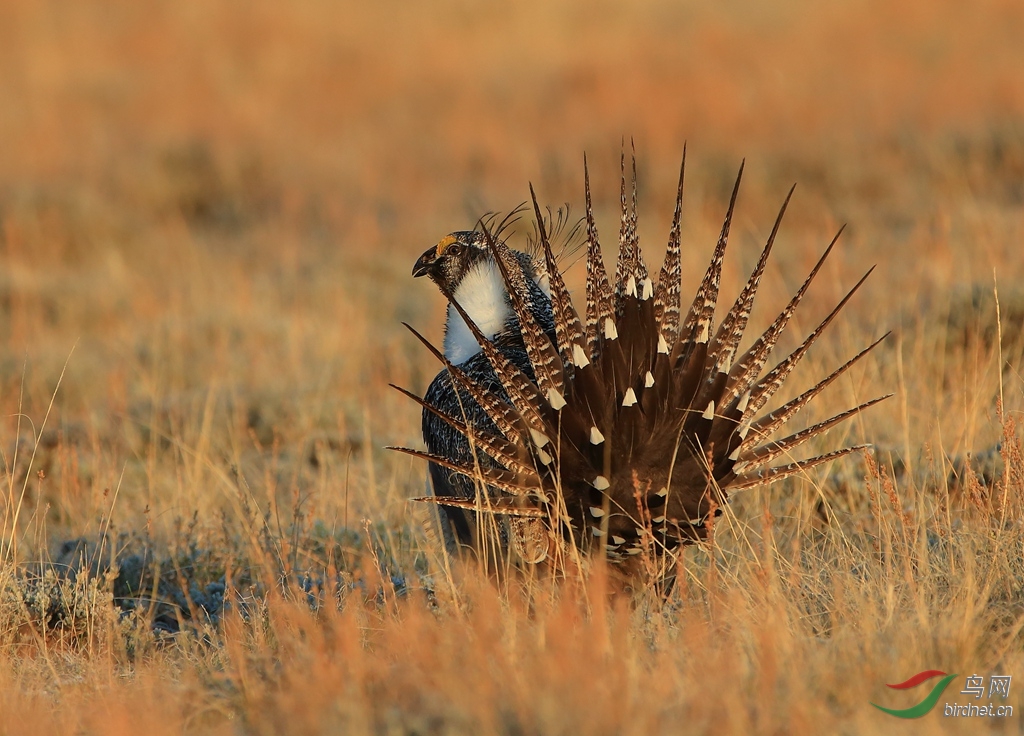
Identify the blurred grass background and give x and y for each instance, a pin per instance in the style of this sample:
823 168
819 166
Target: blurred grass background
209 214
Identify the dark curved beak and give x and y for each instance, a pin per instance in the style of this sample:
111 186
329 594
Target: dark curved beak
425 263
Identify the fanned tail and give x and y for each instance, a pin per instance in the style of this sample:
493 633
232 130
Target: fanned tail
630 428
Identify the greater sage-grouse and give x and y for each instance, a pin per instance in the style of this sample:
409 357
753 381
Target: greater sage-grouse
463 267
622 433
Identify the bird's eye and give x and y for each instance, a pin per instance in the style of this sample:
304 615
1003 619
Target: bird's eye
453 250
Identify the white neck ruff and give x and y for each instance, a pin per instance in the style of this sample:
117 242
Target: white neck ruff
481 292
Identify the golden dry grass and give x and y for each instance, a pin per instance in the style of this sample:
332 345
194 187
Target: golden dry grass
209 214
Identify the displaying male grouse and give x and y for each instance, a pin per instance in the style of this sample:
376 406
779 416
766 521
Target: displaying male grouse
463 267
626 431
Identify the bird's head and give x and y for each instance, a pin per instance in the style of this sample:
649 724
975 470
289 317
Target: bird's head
454 255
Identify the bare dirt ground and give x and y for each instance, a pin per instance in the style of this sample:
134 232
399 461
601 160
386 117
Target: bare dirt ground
209 215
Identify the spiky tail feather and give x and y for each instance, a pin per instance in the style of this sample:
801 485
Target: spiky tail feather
639 421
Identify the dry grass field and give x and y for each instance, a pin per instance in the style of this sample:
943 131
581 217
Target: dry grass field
209 215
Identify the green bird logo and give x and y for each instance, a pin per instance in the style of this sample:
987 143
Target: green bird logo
929 701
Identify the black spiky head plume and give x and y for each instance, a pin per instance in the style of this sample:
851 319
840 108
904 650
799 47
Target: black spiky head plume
631 426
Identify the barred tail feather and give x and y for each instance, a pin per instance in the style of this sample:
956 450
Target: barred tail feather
500 449
599 295
770 475
667 290
508 421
